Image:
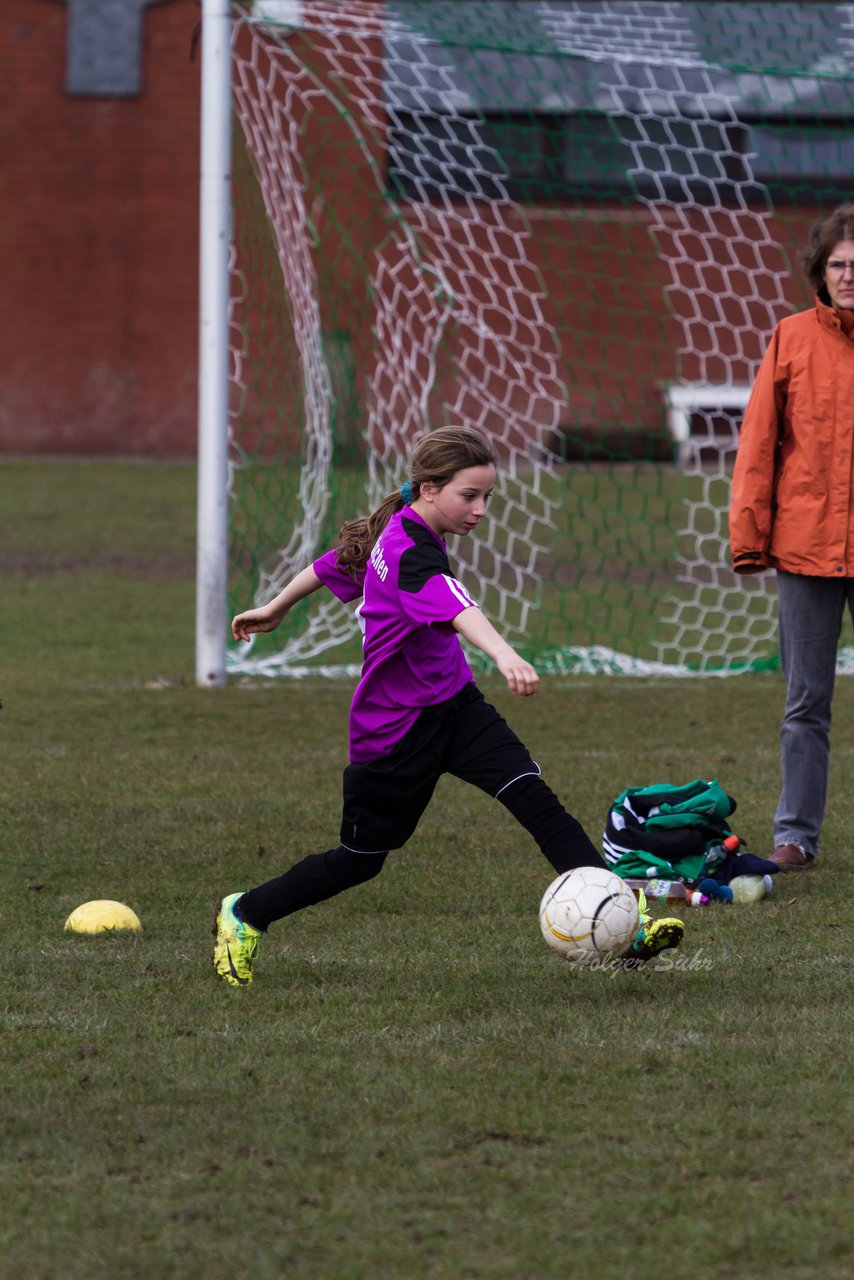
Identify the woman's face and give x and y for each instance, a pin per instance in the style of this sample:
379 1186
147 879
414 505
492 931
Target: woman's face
460 505
839 274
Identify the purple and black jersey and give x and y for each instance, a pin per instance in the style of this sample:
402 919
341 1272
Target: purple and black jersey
413 657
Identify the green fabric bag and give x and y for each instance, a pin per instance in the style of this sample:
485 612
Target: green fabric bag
666 827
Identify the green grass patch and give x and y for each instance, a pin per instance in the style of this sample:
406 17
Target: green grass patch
414 1086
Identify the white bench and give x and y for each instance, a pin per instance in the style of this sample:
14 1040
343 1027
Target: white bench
685 398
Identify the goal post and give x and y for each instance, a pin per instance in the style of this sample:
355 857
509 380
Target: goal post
572 225
213 425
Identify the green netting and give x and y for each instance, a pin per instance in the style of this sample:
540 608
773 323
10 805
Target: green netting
572 225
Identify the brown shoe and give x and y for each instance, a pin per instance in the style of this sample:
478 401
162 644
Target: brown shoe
791 857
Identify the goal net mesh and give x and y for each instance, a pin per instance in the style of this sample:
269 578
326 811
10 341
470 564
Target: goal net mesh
571 225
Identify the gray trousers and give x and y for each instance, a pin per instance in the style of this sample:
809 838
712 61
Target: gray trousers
810 621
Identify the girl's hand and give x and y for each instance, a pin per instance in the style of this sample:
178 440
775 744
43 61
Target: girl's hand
268 616
521 677
244 624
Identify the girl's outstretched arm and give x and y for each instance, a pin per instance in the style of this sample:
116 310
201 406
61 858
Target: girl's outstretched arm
268 616
475 627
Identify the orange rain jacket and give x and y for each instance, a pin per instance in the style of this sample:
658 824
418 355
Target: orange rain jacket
792 501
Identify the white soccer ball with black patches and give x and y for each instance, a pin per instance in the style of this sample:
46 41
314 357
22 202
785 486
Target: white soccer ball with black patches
588 915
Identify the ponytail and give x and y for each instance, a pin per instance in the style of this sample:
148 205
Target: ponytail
356 537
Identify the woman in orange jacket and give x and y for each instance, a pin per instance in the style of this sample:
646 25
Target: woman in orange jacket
792 510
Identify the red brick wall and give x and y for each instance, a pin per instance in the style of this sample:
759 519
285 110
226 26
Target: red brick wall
99 236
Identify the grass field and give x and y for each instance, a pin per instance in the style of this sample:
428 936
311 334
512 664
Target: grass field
414 1088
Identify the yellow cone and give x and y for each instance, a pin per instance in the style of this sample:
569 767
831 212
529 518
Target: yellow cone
99 916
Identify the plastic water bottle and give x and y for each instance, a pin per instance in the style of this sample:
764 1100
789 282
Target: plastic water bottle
719 853
750 888
659 890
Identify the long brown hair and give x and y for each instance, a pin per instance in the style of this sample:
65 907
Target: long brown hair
436 460
824 238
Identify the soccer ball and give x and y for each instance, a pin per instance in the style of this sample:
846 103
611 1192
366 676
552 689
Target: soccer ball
589 914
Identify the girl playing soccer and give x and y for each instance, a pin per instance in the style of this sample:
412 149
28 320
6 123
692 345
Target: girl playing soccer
417 712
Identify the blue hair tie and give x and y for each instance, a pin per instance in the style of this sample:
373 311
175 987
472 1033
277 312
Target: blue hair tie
407 492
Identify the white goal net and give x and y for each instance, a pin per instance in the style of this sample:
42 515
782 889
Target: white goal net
571 225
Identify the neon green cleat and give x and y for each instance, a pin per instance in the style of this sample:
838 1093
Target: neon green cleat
236 944
653 936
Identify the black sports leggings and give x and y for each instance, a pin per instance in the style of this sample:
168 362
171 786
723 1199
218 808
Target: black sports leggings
317 877
560 836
